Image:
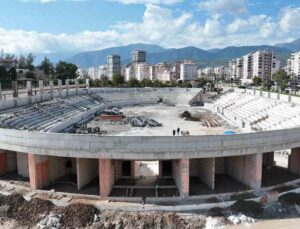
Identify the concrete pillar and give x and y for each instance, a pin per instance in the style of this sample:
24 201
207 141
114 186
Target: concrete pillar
106 177
38 171
67 86
118 169
41 88
290 99
246 169
87 171
0 91
294 161
254 91
3 162
260 93
268 160
133 168
278 96
51 89
87 82
160 169
206 171
76 86
15 89
29 91
269 94
181 175
60 87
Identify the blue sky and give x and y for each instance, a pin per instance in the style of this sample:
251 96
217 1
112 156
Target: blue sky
49 26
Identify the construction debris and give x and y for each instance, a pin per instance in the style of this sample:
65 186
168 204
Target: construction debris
139 121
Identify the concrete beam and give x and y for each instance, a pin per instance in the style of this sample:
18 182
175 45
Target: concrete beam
294 161
246 169
87 171
38 171
106 177
181 175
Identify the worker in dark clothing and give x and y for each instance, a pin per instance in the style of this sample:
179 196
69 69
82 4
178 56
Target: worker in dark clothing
174 132
178 131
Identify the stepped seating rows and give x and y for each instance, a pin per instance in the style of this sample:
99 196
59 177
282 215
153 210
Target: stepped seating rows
260 113
43 116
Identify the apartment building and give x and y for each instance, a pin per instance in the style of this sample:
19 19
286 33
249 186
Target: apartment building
138 56
113 65
188 71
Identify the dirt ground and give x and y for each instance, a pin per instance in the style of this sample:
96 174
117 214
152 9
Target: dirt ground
170 117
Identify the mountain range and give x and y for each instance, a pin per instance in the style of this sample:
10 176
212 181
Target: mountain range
156 54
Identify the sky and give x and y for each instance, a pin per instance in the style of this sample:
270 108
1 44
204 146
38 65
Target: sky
57 26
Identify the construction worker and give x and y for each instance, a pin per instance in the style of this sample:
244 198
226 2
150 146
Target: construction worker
174 132
178 131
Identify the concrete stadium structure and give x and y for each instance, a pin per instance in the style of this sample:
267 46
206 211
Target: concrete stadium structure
36 143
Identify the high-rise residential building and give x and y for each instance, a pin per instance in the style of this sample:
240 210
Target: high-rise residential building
138 56
113 65
265 64
295 64
236 68
142 71
247 67
188 71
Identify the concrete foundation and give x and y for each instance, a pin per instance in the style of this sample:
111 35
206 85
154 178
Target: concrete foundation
246 169
87 171
106 177
294 161
38 171
181 175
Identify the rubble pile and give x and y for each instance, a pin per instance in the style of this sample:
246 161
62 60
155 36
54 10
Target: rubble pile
113 219
25 212
248 208
290 198
78 215
52 221
138 121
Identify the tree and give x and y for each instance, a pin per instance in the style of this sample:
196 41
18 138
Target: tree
146 83
257 81
281 78
47 67
3 73
12 73
29 61
66 70
118 80
30 75
133 82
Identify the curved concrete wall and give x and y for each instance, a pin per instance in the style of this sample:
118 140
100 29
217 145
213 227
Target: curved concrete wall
147 148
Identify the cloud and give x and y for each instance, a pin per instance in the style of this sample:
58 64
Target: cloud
47 1
290 19
228 6
161 26
157 2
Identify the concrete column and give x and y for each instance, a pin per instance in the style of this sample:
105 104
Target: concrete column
3 162
106 177
254 91
76 86
67 86
206 171
15 89
278 96
269 94
260 93
60 87
246 169
87 82
290 99
118 169
160 169
294 161
0 91
87 170
51 89
268 160
29 91
38 171
41 88
181 175
132 169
